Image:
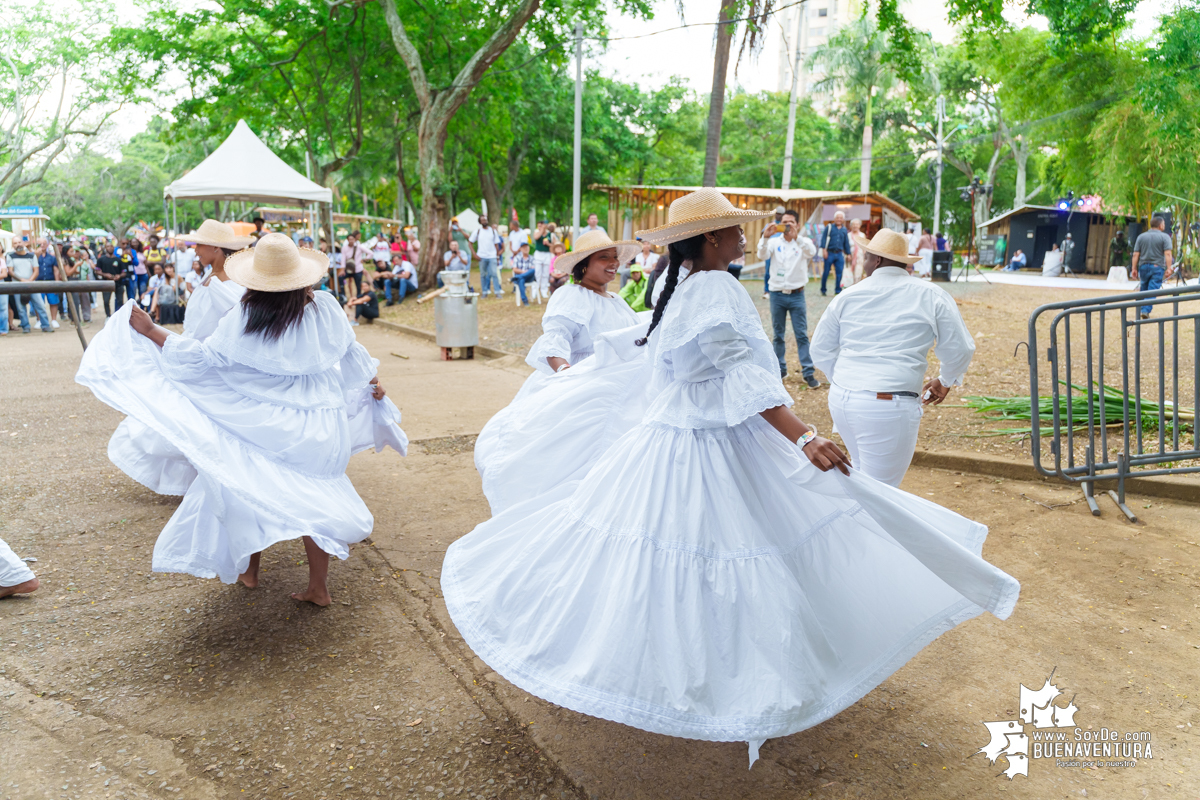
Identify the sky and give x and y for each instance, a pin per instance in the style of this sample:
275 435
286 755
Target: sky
653 60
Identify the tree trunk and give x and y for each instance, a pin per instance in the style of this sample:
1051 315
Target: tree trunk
864 174
716 101
435 194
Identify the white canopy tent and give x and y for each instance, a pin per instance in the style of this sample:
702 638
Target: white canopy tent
245 170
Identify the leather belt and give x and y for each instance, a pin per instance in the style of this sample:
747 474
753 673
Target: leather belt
890 395
791 291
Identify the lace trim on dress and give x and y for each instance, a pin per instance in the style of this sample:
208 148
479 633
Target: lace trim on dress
749 389
706 300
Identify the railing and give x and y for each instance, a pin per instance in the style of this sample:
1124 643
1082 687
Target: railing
1099 431
69 288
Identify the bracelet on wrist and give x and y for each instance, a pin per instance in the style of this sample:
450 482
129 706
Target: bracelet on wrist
806 437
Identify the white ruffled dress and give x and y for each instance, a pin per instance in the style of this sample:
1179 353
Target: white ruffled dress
559 423
134 447
705 580
268 427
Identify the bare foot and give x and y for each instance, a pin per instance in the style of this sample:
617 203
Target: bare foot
31 585
249 578
318 595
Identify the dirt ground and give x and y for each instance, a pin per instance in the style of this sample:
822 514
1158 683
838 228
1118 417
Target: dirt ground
117 682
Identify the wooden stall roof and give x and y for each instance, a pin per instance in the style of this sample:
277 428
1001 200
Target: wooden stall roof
763 195
1021 210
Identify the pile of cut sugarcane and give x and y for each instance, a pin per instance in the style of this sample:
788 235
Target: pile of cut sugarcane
1110 410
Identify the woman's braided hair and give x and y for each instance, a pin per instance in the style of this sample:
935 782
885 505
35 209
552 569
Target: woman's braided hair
678 252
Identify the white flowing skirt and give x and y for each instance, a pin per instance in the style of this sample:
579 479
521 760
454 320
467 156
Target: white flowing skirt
558 425
713 584
262 472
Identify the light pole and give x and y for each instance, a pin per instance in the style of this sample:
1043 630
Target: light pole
791 129
937 194
578 129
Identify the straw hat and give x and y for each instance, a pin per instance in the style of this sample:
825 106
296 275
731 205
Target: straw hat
594 242
701 211
889 244
276 265
217 234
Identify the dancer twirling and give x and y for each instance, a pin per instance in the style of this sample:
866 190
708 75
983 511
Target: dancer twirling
717 574
264 410
217 294
568 412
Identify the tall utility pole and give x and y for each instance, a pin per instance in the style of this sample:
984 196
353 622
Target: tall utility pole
937 194
578 129
791 129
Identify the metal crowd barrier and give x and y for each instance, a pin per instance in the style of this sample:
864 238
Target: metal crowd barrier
1114 407
69 288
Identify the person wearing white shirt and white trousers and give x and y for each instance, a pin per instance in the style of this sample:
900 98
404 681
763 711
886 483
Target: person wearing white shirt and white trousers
873 344
789 254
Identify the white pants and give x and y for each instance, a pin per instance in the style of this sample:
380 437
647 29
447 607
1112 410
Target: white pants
541 271
13 571
881 435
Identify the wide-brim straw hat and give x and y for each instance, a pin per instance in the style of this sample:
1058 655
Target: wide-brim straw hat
889 244
276 265
217 234
594 242
701 211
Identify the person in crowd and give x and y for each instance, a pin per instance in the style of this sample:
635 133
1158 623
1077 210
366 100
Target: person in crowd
1017 262
767 264
925 247
1068 253
414 246
720 547
873 344
516 237
79 267
23 266
544 239
182 257
15 575
555 280
401 278
128 257
1118 250
49 260
489 246
381 252
593 225
456 260
153 257
165 307
193 279
1152 259
108 268
353 257
523 271
634 290
259 229
366 305
275 396
790 254
156 280
834 246
941 241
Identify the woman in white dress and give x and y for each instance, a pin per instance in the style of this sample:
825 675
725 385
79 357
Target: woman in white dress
571 409
134 447
715 575
262 410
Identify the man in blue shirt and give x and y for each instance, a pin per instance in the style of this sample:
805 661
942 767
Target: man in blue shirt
1016 263
48 271
835 244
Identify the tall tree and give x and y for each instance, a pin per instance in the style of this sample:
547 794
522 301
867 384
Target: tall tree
60 87
853 60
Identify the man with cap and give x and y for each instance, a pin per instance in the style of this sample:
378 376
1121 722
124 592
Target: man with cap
873 344
634 290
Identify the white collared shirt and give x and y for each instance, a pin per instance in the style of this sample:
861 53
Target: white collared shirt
789 261
876 335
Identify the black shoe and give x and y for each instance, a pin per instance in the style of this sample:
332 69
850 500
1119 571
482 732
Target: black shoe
390 303
812 382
